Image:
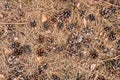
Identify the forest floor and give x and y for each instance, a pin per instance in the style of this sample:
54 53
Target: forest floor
59 39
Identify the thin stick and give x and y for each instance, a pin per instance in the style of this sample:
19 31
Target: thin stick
109 3
20 4
11 23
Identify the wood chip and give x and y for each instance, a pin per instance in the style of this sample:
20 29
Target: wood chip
1 16
44 18
78 5
2 77
93 66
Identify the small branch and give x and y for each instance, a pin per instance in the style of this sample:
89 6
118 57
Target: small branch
11 23
109 3
20 4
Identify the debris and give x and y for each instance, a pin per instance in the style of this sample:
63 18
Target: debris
41 38
41 52
27 1
60 25
26 49
112 36
12 61
71 26
93 54
64 15
107 28
17 52
67 13
46 25
55 77
33 23
104 49
1 15
14 45
81 13
44 18
42 67
93 66
2 31
101 77
91 17
2 77
81 77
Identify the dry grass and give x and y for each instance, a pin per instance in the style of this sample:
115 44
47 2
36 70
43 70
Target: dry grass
59 40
